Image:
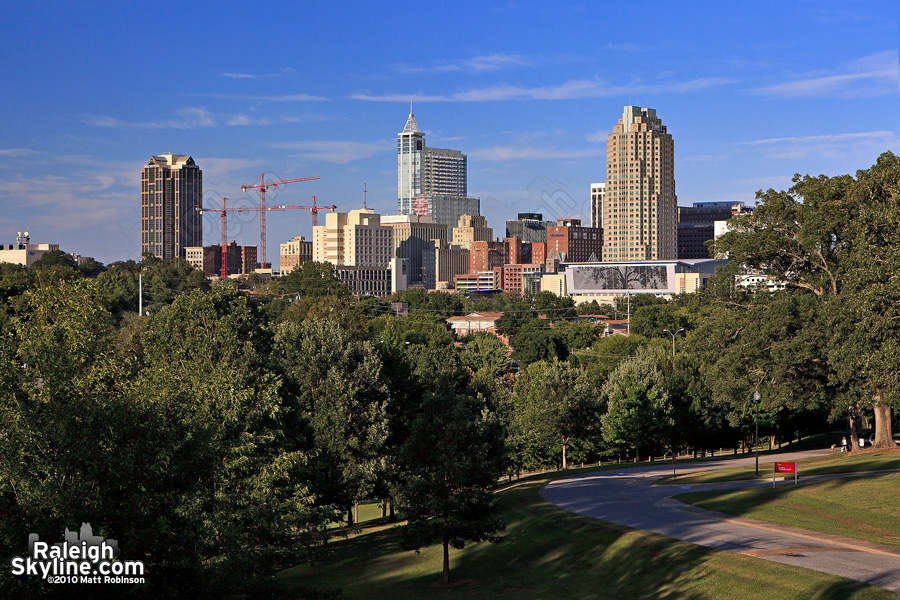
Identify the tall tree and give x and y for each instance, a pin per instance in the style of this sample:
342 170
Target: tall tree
451 460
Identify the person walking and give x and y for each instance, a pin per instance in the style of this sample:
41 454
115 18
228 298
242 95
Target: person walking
844 444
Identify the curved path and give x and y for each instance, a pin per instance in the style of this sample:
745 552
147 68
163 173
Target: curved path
627 497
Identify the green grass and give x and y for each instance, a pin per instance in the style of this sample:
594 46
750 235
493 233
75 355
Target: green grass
551 553
860 508
837 462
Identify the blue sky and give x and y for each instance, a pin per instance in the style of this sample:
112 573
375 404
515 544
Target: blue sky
751 92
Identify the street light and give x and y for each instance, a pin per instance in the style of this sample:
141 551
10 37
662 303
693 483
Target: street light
673 338
756 418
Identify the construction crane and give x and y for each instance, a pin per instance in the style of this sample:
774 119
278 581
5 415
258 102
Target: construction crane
223 217
314 210
263 185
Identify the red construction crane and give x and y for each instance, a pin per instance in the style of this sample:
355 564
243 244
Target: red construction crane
314 210
263 185
223 216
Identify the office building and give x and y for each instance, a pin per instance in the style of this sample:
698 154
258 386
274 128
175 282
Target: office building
171 193
696 225
356 238
597 191
412 236
485 256
470 229
528 227
294 253
442 263
431 181
639 203
574 243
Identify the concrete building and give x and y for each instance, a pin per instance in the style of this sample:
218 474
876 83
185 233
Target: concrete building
597 192
442 263
23 252
575 243
696 225
171 193
604 281
639 203
294 253
412 236
356 238
528 227
470 229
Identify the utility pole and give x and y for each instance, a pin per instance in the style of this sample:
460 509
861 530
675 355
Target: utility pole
756 418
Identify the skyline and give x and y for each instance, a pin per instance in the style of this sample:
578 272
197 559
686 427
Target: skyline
529 93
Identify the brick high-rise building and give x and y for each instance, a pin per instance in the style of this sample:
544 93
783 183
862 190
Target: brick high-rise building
639 204
171 193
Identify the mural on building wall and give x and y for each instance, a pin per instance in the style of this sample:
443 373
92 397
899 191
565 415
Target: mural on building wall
622 277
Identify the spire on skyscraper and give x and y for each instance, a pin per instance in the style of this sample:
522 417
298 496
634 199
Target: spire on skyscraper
411 125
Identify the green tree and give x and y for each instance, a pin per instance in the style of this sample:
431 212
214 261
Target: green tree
313 279
488 352
536 340
554 403
337 385
450 463
636 397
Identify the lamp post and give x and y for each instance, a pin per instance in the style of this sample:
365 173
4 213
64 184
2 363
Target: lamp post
673 338
756 419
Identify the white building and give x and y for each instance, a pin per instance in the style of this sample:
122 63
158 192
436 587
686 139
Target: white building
24 253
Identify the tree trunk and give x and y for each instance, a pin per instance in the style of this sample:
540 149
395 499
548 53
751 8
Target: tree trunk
565 464
884 437
350 516
446 559
854 425
637 453
392 517
356 510
771 441
383 507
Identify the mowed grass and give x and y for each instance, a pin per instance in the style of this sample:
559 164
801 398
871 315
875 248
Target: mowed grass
864 508
838 462
551 553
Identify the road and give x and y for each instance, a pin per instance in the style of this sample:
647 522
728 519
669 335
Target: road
627 497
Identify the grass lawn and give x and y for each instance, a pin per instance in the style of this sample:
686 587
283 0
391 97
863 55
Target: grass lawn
864 508
551 553
838 462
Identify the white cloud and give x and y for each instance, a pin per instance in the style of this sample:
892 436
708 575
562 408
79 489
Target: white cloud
569 90
16 152
279 73
337 151
191 117
844 148
265 98
476 64
874 75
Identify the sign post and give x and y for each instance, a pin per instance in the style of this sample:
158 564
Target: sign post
784 467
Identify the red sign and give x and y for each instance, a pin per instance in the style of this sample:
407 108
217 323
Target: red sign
421 205
785 467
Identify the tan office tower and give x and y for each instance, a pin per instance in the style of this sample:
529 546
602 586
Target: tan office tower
171 191
640 209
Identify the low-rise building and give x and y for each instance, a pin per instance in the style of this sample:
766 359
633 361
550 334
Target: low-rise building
23 252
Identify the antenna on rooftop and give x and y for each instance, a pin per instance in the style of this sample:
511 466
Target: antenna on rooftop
365 196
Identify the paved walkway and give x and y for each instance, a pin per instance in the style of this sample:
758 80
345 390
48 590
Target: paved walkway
627 497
